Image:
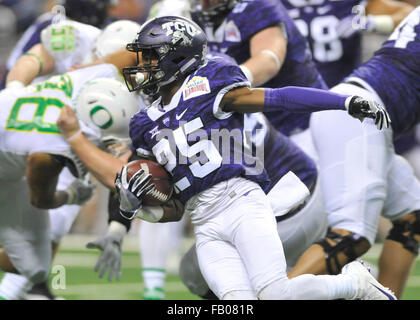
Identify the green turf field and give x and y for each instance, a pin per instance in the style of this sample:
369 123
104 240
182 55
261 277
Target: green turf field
82 283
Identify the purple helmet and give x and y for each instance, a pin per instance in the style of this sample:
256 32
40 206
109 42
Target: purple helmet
211 10
92 12
170 48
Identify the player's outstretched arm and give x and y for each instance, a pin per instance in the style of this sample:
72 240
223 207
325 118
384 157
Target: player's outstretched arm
101 164
36 62
300 99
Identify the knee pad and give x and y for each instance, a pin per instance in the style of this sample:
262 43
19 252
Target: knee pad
348 245
404 232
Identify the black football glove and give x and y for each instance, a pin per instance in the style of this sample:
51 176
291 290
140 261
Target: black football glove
361 108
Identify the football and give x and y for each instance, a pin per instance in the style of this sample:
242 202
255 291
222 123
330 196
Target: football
160 177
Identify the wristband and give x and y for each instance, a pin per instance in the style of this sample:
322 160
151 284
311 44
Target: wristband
74 136
38 58
71 195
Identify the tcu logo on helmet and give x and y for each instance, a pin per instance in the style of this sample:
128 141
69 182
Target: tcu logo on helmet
181 26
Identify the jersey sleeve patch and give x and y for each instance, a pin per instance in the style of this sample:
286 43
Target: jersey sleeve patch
196 87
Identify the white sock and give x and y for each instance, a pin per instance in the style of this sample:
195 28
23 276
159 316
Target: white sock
154 278
14 286
310 287
339 286
155 245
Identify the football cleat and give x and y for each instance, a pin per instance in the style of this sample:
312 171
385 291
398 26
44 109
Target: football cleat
153 294
368 288
41 291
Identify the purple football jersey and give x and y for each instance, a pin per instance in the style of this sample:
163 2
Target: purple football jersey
233 38
394 73
322 21
198 143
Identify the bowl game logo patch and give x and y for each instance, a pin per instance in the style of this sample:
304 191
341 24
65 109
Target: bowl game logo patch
197 86
232 33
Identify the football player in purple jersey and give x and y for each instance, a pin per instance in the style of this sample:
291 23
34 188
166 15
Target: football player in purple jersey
334 30
381 181
197 98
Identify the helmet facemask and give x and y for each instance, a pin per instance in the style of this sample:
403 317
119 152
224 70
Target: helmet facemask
146 74
155 67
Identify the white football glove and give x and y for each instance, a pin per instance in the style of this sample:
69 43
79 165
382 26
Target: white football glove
79 191
131 192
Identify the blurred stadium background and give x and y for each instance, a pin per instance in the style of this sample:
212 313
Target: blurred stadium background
80 280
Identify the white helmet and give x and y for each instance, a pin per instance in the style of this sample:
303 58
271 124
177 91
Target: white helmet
106 105
115 37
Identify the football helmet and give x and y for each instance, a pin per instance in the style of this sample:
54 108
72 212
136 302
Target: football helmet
93 12
115 37
105 104
211 10
167 48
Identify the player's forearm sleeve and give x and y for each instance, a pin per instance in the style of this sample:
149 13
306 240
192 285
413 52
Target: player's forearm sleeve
299 99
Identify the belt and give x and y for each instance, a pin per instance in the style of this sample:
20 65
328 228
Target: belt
297 208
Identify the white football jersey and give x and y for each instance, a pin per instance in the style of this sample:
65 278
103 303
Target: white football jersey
28 118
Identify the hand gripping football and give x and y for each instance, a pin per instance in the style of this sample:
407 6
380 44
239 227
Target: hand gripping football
160 177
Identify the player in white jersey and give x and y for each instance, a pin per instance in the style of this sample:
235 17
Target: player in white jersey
33 152
89 42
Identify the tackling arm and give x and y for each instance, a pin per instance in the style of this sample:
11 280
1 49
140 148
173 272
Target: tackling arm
101 164
36 62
